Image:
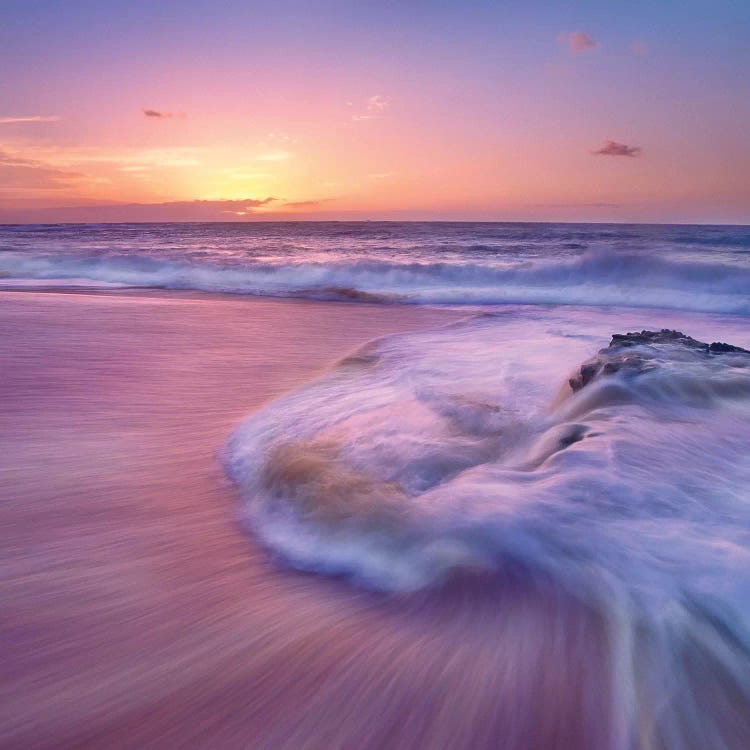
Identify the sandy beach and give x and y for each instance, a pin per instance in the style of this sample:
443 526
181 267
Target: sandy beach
138 613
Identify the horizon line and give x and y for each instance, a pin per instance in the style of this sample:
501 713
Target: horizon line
380 221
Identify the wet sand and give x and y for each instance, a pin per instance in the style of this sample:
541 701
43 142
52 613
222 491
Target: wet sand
135 611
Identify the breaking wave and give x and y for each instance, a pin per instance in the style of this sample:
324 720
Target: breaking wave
592 278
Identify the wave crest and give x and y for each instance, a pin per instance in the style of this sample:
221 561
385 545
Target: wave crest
594 278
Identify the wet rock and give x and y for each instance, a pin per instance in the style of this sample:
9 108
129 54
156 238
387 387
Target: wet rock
665 336
636 353
719 348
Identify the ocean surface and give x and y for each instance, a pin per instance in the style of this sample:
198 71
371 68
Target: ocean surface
700 268
466 451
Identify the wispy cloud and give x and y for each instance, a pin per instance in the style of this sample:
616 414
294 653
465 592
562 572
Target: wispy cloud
193 210
32 118
577 41
378 103
572 205
240 209
234 175
306 204
235 207
19 174
97 164
148 164
613 148
274 156
278 137
375 106
129 160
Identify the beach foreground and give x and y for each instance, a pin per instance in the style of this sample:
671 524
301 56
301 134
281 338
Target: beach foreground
585 597
136 612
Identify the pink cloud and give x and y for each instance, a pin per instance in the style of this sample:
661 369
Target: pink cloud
375 107
17 174
33 118
157 114
613 148
578 41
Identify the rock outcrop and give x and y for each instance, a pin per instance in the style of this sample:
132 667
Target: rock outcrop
637 352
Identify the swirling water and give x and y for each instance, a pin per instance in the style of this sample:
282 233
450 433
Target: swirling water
463 451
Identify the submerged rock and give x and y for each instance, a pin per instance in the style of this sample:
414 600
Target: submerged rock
621 354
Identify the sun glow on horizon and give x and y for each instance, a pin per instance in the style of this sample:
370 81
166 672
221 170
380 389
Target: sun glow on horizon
553 119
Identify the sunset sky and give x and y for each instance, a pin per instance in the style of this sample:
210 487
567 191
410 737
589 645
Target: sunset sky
235 110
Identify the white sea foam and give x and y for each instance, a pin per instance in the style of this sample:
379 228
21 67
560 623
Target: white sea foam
594 278
455 436
464 449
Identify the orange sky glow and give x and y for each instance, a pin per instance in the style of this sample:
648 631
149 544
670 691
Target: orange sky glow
537 118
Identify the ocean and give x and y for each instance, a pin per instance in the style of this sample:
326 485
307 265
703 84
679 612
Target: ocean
521 441
701 268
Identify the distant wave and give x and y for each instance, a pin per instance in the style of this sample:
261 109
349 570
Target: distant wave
593 278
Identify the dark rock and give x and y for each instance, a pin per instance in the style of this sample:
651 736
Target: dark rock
719 348
618 356
665 336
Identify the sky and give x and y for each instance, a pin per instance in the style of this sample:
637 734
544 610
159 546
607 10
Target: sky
233 110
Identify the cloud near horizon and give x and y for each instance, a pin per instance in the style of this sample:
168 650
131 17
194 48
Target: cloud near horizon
32 118
21 174
578 41
166 211
306 204
613 148
572 205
